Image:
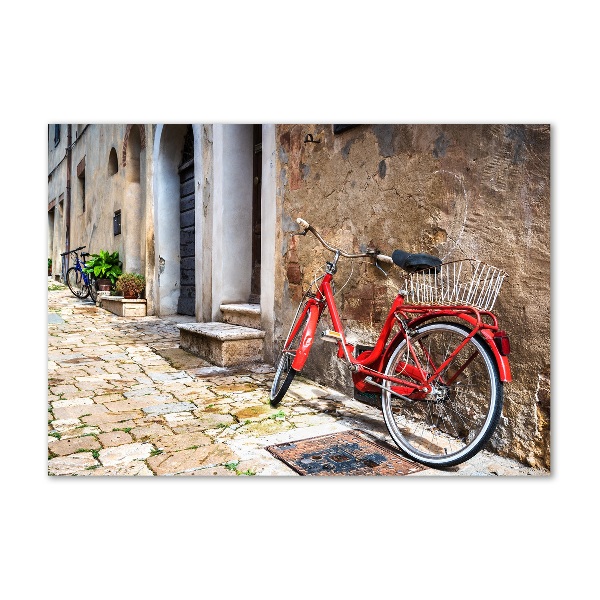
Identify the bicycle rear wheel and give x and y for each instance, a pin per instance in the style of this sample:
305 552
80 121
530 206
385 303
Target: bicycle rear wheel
454 421
76 283
285 372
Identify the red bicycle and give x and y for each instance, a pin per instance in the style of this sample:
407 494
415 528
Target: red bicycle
440 362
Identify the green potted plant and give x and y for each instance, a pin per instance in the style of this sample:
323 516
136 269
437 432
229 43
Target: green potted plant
49 267
131 285
106 268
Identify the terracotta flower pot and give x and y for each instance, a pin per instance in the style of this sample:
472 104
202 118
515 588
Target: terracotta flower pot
103 285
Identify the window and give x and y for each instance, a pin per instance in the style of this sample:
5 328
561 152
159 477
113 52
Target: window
82 181
56 135
113 163
117 223
341 128
81 177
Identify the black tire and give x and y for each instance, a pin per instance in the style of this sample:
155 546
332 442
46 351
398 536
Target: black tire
93 289
285 373
283 379
76 283
453 422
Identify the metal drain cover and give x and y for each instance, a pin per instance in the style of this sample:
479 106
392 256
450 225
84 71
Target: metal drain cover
344 453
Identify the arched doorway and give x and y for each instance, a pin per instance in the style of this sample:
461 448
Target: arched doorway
175 191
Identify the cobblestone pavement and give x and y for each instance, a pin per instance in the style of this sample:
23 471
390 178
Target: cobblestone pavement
124 399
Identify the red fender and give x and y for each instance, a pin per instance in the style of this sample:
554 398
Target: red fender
308 337
487 334
501 361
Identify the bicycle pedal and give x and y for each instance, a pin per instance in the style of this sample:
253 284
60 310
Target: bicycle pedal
331 336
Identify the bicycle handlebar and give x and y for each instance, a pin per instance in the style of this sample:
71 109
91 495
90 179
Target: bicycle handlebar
370 254
72 251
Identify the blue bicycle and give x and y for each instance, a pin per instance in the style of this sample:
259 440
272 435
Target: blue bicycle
80 283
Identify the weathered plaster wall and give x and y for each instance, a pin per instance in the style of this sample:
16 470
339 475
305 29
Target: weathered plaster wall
454 191
57 176
127 190
105 194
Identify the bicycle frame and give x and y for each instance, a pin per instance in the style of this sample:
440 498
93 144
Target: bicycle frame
371 363
439 363
79 266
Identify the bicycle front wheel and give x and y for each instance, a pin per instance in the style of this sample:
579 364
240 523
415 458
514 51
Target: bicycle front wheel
93 289
76 283
285 373
453 422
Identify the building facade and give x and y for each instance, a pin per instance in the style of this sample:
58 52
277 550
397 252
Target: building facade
206 213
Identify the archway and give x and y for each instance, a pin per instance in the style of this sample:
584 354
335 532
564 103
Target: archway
174 193
113 163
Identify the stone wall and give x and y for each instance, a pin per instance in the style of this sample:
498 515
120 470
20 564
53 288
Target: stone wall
57 175
99 163
455 191
92 227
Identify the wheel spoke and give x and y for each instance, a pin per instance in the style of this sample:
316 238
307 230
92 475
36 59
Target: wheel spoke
452 422
76 283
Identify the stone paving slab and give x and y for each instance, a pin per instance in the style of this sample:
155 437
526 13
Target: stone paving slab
140 391
125 400
125 453
112 419
62 425
176 418
78 410
114 438
171 463
131 469
148 431
183 441
177 376
142 403
80 431
172 407
72 402
74 464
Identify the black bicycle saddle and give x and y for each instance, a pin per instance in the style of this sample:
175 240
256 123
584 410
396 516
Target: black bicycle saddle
415 262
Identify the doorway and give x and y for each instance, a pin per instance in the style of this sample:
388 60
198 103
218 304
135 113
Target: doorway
256 214
186 305
175 230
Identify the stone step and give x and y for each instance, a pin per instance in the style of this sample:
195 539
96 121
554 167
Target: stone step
222 344
122 307
246 315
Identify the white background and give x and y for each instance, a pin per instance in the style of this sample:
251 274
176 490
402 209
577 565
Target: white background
433 62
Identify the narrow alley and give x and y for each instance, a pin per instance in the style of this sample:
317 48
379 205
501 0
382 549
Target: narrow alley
124 399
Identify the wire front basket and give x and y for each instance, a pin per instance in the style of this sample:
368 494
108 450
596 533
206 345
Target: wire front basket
463 282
